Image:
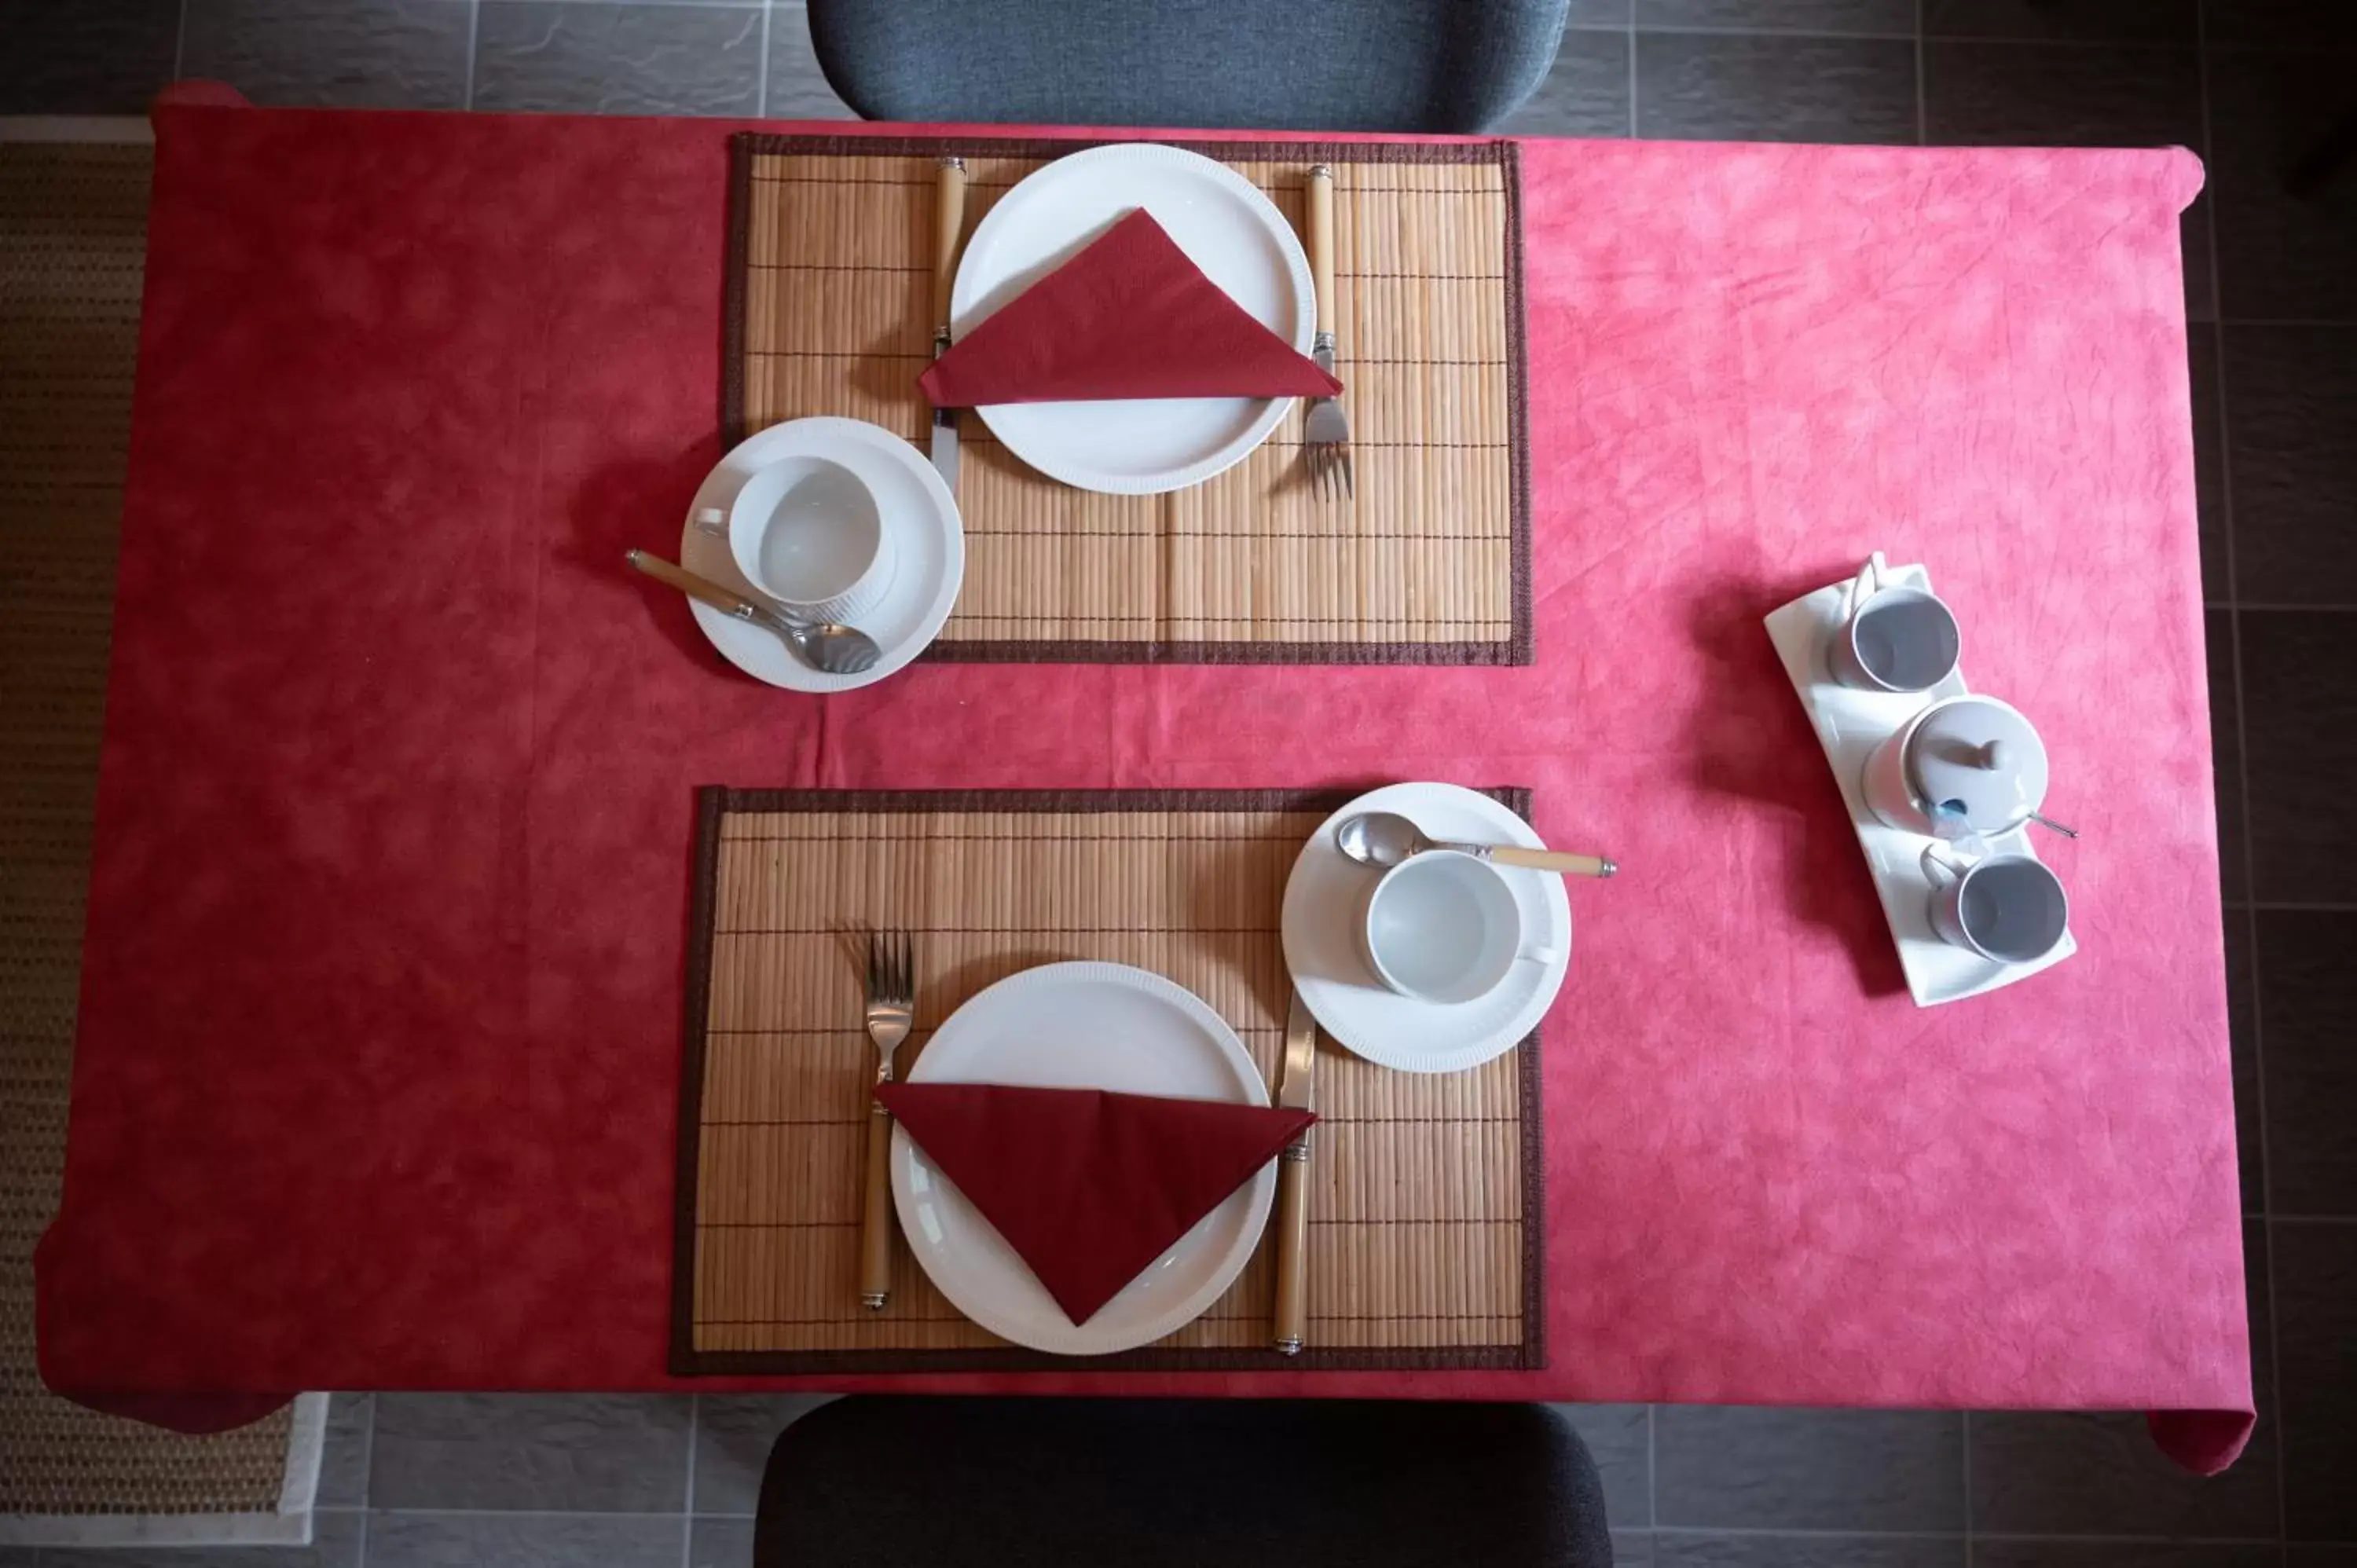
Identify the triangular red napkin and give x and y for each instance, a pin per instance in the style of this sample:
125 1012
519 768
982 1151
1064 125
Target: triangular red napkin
1087 1186
1130 316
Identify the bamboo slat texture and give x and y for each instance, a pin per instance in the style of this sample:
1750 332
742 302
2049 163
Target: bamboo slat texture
831 313
1423 1209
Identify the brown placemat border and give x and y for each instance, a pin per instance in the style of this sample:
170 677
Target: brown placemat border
1516 649
714 801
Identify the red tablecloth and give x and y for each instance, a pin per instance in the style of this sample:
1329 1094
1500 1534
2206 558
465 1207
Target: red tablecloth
381 1011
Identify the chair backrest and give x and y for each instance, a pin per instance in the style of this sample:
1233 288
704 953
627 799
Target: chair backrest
1082 1483
1333 65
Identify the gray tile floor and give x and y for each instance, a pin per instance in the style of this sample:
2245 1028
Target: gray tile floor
2272 287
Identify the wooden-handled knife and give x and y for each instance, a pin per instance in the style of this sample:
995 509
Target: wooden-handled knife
949 228
1294 1092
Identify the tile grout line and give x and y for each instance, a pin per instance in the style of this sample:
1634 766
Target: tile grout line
2242 776
694 1401
474 28
1802 1533
1631 34
368 1467
1965 1417
1892 36
1923 139
1766 1532
1996 41
1652 1464
2092 1539
432 1512
761 68
1806 1532
1701 30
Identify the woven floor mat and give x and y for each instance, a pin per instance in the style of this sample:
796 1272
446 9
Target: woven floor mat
73 221
1424 1208
829 312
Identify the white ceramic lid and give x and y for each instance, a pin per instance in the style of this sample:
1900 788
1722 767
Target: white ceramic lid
1980 754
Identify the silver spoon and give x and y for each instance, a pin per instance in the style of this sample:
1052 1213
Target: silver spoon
823 645
1387 838
1948 822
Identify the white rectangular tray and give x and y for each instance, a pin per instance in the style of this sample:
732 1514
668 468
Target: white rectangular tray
1851 723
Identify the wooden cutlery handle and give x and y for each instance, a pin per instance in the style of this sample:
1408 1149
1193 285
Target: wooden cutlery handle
949 225
686 582
876 1213
1292 1246
1548 860
1321 242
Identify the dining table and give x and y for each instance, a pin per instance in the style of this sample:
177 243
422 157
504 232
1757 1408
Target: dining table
377 1073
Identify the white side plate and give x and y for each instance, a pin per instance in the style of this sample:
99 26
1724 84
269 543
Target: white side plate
916 506
1850 724
1321 914
1082 1025
1226 226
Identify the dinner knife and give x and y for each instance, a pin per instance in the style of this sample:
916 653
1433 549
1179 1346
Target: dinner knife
949 224
1293 1093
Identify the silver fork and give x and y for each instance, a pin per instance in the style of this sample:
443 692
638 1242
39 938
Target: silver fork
1325 429
892 1008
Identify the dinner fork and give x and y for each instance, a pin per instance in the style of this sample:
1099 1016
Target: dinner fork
1325 429
891 1007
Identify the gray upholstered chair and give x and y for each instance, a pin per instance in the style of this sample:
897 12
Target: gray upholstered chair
1321 65
901 1482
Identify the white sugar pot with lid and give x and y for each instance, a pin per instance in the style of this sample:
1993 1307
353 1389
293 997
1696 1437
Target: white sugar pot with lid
1963 765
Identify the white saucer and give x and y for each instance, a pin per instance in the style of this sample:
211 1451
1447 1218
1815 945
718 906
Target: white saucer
1082 1025
919 515
1321 949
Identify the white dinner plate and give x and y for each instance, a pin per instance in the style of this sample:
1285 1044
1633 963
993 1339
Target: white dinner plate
917 510
1225 225
1080 1025
1321 947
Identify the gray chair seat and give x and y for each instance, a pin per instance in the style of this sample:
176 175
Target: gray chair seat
1041 1483
1332 65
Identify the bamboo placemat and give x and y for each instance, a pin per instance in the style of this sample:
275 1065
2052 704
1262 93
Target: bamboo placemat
1424 1212
830 311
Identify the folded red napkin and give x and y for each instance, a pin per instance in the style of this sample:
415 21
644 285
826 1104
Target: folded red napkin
1130 316
1089 1187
